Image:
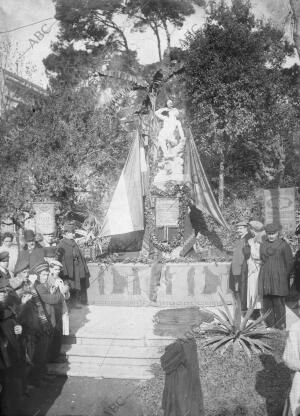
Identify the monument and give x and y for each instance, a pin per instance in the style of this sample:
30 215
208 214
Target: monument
148 220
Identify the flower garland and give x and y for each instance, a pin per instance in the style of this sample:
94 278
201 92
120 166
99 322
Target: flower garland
182 192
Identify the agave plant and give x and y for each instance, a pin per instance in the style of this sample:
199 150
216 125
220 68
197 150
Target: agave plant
232 329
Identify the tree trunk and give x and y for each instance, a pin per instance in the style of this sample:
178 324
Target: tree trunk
155 30
295 6
221 181
165 26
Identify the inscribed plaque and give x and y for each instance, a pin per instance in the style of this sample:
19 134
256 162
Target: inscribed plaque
45 217
280 207
167 212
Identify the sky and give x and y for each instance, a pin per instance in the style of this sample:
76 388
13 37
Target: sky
31 45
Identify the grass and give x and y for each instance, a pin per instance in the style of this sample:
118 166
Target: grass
232 384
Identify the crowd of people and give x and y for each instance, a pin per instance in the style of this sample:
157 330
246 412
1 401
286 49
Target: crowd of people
261 271
38 284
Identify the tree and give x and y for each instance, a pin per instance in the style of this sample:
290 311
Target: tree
295 7
156 14
64 150
237 94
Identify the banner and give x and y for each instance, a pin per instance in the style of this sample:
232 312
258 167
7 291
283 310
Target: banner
280 207
44 217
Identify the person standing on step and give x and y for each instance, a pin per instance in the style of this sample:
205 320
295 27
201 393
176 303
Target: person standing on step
273 281
44 302
61 310
238 270
75 270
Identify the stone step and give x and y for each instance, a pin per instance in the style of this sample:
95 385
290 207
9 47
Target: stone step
132 342
133 372
113 361
111 351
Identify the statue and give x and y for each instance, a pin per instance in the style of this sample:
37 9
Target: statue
167 140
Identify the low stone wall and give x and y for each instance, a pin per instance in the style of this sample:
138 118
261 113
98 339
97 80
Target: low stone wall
169 284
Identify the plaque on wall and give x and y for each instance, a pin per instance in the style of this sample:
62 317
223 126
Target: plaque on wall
279 207
45 217
167 212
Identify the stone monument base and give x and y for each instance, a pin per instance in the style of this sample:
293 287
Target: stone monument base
169 284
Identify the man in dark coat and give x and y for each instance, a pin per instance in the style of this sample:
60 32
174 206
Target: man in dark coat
4 273
238 270
32 253
75 269
11 356
273 279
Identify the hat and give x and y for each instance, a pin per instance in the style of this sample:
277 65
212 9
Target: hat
29 236
38 268
242 224
4 256
69 227
256 226
49 252
272 228
53 263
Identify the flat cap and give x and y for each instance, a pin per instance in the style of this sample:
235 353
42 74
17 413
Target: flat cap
54 262
4 256
272 228
242 224
38 268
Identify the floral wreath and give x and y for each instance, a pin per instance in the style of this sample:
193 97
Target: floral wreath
183 192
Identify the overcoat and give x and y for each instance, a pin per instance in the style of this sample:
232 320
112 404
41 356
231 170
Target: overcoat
277 263
182 393
74 264
238 274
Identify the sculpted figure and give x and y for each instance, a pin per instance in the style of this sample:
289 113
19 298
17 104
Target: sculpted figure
167 139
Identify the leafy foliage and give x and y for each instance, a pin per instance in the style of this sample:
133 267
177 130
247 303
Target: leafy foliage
233 330
62 148
242 106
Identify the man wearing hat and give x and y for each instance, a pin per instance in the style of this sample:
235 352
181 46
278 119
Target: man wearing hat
32 253
75 269
273 281
238 269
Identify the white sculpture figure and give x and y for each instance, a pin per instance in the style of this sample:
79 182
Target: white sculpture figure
166 138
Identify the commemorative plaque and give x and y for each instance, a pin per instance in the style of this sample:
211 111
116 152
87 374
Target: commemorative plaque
167 212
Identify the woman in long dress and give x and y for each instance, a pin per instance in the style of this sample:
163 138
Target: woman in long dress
254 263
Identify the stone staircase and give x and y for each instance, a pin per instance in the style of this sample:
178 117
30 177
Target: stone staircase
111 342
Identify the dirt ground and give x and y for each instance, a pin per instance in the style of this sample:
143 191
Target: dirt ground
82 396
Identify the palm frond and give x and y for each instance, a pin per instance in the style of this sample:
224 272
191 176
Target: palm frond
257 322
224 303
226 346
223 322
237 311
257 343
125 76
218 344
248 313
244 347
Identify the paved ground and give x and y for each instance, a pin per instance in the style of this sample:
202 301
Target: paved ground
87 396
